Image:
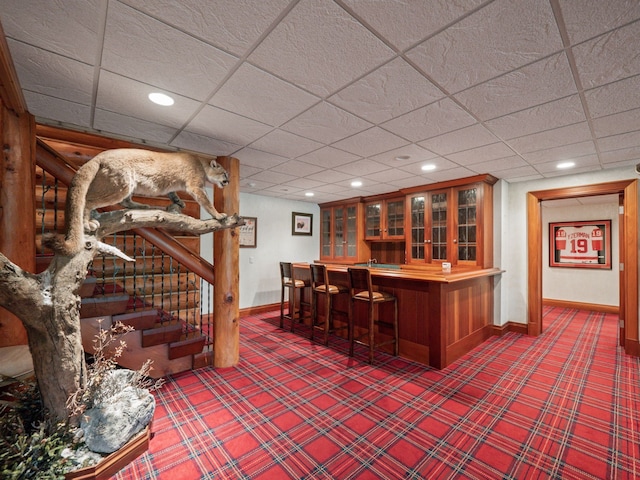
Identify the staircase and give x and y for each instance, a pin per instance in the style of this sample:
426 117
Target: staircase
157 295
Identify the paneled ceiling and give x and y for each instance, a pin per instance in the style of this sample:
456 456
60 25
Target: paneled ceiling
313 94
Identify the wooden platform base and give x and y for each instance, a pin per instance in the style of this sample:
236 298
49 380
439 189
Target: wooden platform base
116 461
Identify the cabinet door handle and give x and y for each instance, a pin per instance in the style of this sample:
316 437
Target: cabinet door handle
427 241
455 240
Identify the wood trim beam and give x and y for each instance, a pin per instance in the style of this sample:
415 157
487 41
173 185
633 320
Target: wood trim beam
10 91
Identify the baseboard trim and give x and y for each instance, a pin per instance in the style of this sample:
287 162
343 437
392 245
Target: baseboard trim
594 307
259 309
500 330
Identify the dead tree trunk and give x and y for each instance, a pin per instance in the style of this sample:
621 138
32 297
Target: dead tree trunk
48 303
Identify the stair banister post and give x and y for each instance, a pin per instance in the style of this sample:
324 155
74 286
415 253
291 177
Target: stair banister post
226 254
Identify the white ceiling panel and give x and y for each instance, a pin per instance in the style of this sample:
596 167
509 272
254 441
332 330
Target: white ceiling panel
310 94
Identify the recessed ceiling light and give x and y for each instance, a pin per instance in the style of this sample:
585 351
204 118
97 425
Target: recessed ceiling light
356 183
309 194
161 99
428 167
564 165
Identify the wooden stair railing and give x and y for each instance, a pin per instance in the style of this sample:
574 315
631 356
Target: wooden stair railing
50 161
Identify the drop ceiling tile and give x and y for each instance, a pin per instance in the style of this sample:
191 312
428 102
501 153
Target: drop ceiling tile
286 144
326 123
541 82
332 188
129 97
201 66
481 154
389 91
524 171
300 169
614 97
616 142
406 23
586 163
304 184
406 155
499 38
362 167
41 26
370 142
281 190
412 181
631 154
228 24
459 140
552 138
328 157
556 154
43 72
256 158
616 124
134 128
56 110
227 126
247 171
270 176
497 165
610 57
330 176
302 45
259 95
450 174
558 113
430 121
391 174
253 185
204 144
587 20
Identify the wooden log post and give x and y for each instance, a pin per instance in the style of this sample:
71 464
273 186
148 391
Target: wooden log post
17 172
226 254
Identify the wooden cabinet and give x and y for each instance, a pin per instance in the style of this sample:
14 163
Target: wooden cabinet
453 224
341 233
384 219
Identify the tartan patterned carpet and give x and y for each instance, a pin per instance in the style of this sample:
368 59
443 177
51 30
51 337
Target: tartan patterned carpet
563 405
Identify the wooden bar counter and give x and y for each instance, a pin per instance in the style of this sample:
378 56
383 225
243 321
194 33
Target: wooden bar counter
442 316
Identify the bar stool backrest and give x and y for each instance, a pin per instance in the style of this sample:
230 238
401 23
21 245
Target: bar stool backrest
360 280
286 272
319 276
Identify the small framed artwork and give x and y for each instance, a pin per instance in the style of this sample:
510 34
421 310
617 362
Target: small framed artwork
580 244
249 233
301 223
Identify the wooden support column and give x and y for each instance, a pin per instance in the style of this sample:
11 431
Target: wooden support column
226 289
17 204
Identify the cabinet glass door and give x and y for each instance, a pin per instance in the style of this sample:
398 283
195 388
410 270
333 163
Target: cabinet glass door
352 231
326 233
338 222
467 224
395 218
417 228
372 220
439 226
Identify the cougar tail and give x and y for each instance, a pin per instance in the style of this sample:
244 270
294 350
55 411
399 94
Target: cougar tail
73 240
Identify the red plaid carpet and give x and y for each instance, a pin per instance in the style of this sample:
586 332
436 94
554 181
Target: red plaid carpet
563 405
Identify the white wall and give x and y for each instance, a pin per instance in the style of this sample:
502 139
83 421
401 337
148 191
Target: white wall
585 285
259 267
513 256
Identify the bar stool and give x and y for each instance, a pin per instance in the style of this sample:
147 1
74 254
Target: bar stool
320 286
361 290
289 282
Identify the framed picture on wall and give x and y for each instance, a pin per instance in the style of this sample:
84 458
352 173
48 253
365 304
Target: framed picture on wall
301 223
584 244
249 233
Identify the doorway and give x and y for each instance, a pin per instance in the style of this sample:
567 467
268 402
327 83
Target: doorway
628 244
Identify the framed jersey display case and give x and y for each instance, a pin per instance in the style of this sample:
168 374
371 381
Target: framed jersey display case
580 244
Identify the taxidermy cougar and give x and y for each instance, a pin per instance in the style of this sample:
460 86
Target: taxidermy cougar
113 176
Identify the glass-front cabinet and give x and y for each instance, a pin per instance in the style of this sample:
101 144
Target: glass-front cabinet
340 232
450 225
384 219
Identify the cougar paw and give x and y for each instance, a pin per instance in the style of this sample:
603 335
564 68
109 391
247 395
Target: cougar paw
92 225
221 216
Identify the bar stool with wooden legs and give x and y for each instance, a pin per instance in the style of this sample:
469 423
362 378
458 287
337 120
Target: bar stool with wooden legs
361 289
320 286
289 282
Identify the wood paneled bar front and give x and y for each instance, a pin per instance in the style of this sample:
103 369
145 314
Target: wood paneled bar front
442 315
